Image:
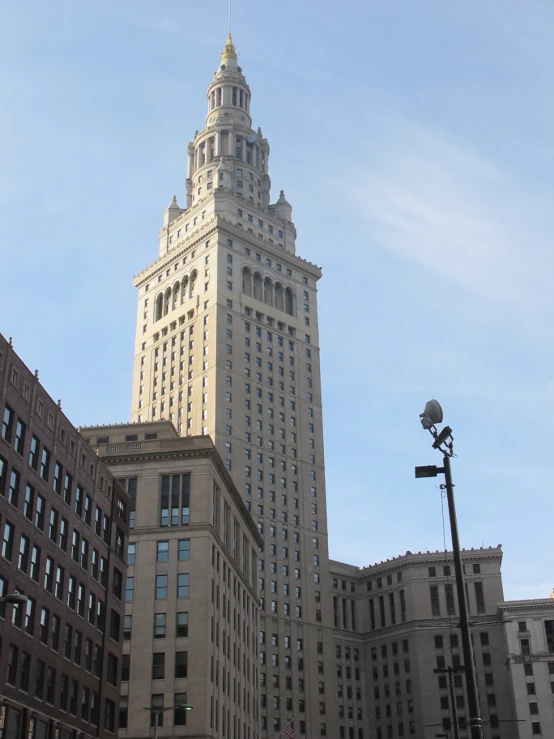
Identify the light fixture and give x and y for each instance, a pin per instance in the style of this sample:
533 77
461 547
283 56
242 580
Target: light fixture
16 599
429 470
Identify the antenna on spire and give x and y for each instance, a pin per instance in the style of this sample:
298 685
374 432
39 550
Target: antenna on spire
230 7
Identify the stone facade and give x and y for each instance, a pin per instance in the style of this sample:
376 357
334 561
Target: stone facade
529 634
395 623
227 346
64 530
192 611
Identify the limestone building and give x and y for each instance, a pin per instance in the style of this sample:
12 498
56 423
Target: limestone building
395 623
63 530
529 634
227 346
192 611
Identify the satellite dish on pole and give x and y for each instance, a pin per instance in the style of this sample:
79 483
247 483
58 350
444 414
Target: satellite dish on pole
432 414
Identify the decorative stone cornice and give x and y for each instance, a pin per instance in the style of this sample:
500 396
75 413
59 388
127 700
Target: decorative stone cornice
410 559
211 226
514 607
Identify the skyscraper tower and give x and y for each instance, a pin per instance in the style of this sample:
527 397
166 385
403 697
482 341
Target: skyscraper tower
227 345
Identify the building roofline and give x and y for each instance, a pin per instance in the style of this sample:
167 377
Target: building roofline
542 604
187 449
410 558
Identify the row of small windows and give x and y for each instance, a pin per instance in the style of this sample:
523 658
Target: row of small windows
176 295
228 95
267 291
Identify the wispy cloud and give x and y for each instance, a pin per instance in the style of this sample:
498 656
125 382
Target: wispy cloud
437 202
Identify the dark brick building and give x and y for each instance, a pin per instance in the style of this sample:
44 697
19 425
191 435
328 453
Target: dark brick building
63 538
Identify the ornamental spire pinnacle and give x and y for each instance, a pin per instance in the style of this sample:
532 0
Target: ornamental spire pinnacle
229 54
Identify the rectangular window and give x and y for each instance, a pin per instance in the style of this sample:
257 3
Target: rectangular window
129 589
7 424
39 513
183 585
157 701
44 625
435 604
58 473
181 663
7 541
79 496
117 585
158 666
45 464
449 595
161 587
55 632
53 527
479 597
87 516
13 487
179 712
67 485
131 551
23 559
34 453
163 551
109 715
35 563
13 658
182 626
159 625
28 504
125 668
39 679
3 475
112 669
184 549
50 685
175 500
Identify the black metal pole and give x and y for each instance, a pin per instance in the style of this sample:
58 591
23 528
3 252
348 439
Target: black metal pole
475 722
455 725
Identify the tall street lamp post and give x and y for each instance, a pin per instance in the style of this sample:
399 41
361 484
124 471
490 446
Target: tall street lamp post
156 712
444 442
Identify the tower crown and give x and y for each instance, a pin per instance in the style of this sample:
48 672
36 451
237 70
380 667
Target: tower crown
228 143
228 93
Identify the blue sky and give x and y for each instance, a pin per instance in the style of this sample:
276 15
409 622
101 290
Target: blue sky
415 143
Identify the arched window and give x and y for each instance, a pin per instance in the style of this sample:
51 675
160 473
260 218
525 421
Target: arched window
246 281
184 288
268 291
289 301
159 311
193 277
167 301
258 286
176 293
279 296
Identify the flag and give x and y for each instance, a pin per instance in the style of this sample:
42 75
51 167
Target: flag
289 731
